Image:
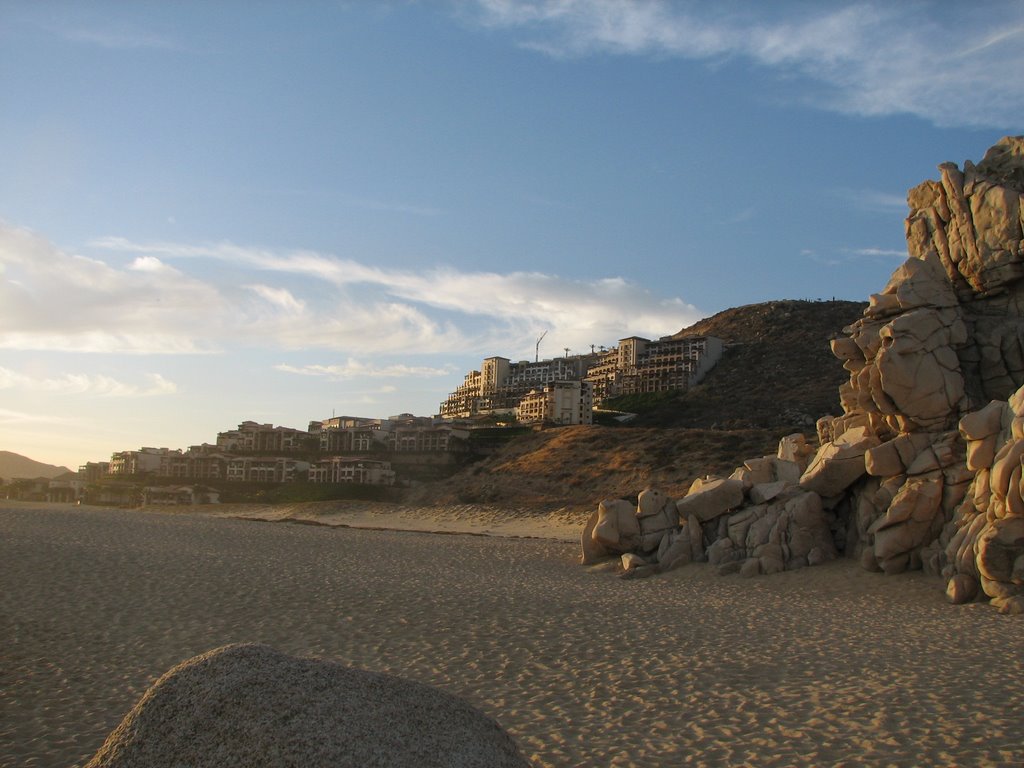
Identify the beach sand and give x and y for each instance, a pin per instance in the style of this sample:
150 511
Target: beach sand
825 666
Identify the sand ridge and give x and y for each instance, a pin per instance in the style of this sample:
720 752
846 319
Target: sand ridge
825 666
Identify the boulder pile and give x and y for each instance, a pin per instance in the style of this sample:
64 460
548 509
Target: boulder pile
923 469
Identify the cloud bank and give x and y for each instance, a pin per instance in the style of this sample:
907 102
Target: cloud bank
953 64
86 384
173 298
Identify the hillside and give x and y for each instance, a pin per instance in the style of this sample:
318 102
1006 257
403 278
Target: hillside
777 376
777 371
13 465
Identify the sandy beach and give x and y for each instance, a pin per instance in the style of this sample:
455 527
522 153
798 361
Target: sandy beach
825 666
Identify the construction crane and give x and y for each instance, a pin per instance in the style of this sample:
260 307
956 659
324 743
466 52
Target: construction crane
536 356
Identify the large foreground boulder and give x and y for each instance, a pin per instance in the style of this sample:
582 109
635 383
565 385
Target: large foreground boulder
250 706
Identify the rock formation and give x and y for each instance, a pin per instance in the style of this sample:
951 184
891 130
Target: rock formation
923 467
249 705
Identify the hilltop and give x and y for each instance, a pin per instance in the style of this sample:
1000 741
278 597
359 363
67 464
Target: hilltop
14 465
777 375
777 370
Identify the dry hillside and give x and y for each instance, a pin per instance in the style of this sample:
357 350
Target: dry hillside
776 377
777 370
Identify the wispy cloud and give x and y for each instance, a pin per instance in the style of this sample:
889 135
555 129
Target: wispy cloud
86 384
886 253
122 37
164 302
874 200
847 255
352 369
391 207
947 63
11 418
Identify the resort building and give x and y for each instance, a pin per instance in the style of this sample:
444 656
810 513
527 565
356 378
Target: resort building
639 365
137 462
339 469
265 469
251 437
92 471
560 402
636 365
180 494
199 462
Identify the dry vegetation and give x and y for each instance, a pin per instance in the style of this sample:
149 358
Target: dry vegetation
776 377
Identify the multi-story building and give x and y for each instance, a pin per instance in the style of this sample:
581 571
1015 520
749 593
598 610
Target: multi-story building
92 471
265 469
663 365
635 365
341 469
346 434
559 402
199 462
137 462
251 437
430 438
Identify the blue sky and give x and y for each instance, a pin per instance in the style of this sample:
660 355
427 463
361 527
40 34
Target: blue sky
213 212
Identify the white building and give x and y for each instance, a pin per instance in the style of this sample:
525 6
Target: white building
560 402
636 365
265 469
339 469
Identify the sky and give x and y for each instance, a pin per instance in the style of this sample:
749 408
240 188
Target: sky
213 212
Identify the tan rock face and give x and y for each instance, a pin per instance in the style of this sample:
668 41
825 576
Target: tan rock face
943 339
925 466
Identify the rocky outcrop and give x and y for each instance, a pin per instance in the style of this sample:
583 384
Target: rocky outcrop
249 705
923 468
758 520
932 363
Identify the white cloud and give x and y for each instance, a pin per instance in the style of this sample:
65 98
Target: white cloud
882 252
57 301
352 369
439 310
948 63
147 264
86 384
10 418
279 297
122 37
874 200
163 303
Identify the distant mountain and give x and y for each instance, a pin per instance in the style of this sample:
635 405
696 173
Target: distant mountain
13 465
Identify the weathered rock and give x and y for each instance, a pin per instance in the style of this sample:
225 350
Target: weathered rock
962 588
998 549
676 549
657 516
249 705
631 560
794 448
763 492
592 550
909 523
924 468
617 528
750 568
709 499
837 465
